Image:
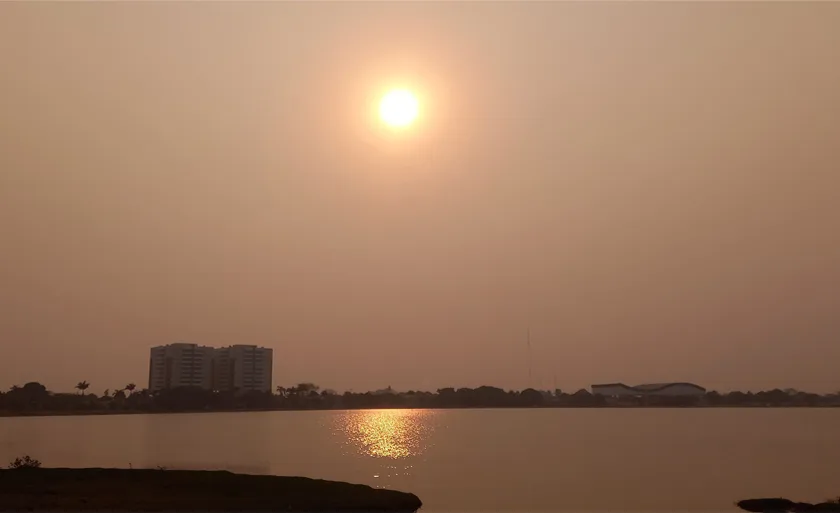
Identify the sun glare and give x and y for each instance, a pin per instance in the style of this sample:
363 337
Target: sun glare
398 108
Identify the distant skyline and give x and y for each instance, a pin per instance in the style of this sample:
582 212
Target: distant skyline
651 187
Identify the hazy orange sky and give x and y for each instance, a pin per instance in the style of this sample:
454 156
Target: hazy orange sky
653 188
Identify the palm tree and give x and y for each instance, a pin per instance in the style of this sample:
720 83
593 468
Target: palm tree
81 386
281 391
130 388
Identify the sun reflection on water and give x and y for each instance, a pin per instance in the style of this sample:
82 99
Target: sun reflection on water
394 434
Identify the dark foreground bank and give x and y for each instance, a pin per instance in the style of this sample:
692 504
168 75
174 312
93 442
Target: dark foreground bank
95 489
780 505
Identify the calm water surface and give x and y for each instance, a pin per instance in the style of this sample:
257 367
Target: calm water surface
490 460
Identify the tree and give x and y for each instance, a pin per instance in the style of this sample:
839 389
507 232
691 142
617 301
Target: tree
81 386
307 388
31 396
130 388
301 390
490 396
25 462
281 391
530 397
737 398
713 398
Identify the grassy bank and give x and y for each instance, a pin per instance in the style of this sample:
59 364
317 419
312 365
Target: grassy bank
94 489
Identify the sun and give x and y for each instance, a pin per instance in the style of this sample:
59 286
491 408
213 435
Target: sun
398 108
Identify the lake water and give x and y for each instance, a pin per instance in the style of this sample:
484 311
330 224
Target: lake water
479 460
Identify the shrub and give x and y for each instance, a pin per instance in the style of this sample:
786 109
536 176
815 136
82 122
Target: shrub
25 462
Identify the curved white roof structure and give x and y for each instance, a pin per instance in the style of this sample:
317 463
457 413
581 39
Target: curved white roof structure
658 389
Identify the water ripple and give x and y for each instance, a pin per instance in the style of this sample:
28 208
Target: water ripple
393 434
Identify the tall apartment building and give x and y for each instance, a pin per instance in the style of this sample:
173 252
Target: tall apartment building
243 368
234 368
180 365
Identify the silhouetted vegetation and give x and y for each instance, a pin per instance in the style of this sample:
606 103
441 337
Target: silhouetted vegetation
81 386
34 398
24 462
779 505
96 489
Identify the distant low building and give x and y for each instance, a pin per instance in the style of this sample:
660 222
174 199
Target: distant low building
654 389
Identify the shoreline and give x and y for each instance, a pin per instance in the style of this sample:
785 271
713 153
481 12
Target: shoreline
86 413
100 489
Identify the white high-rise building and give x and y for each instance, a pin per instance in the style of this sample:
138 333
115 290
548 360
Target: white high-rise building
180 365
236 368
243 368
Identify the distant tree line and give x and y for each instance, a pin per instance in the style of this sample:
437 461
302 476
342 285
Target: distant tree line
34 398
